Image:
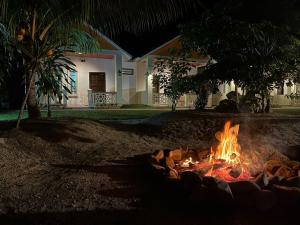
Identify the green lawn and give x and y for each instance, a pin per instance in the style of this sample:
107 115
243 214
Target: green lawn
90 114
289 111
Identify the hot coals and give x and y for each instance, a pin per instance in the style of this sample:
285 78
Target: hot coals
226 171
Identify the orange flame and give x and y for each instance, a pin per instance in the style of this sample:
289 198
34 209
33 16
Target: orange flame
228 148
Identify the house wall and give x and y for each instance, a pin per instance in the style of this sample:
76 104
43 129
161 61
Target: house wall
83 69
129 84
142 69
141 81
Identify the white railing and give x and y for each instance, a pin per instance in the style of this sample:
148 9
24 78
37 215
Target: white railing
160 99
103 98
187 100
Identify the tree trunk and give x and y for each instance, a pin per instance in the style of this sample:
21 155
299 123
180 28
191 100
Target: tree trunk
202 99
263 103
237 101
48 107
30 83
237 95
32 105
268 106
174 106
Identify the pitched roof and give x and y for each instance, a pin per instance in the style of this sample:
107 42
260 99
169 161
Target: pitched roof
173 44
105 42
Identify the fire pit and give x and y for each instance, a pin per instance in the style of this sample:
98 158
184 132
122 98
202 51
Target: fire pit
229 173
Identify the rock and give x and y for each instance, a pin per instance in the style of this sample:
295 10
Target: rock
176 155
191 179
210 182
220 192
276 180
173 174
284 171
244 193
224 189
158 155
287 196
227 106
293 182
158 167
200 196
265 200
262 180
272 166
241 187
232 95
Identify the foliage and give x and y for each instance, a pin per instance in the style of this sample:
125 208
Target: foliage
38 28
53 79
11 72
202 86
171 75
257 55
227 106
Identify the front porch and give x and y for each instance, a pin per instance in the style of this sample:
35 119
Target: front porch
185 101
102 99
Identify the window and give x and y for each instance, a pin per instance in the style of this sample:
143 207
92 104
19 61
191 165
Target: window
73 82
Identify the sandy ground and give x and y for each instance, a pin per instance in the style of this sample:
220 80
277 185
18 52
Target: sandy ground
86 172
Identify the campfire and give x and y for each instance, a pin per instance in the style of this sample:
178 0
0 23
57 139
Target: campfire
226 162
242 173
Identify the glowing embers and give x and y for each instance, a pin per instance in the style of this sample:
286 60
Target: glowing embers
226 162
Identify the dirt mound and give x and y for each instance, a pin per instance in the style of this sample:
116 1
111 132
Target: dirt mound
197 130
73 165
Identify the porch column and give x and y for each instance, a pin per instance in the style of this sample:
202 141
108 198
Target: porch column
90 98
118 75
149 84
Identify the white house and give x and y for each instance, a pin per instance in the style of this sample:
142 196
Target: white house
111 77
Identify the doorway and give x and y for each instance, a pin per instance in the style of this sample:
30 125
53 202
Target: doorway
97 82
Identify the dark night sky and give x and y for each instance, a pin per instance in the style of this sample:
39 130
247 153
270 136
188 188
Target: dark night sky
142 43
252 10
139 44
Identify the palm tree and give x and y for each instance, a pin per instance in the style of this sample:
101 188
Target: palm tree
38 27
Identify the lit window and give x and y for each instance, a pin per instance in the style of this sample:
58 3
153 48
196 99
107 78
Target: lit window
73 82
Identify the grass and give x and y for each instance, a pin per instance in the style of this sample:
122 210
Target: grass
288 111
136 106
89 114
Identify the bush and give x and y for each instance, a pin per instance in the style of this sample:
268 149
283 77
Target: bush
232 95
227 106
201 101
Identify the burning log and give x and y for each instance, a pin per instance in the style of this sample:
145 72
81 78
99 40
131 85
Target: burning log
158 155
293 182
227 174
191 179
235 172
284 171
